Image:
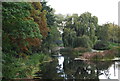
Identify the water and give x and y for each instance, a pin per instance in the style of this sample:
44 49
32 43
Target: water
67 68
111 72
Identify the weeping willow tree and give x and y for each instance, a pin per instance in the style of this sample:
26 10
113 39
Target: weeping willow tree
69 37
84 25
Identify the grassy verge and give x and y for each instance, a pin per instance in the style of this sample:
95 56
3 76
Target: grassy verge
112 45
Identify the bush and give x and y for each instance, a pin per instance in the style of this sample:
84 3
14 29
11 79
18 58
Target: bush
101 45
20 67
105 55
66 50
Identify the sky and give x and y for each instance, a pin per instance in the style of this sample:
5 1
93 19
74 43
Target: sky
105 10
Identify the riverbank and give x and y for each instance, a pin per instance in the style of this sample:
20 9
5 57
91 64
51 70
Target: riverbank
81 53
68 68
16 68
101 55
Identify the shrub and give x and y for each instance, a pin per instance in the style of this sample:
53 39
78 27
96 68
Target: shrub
66 50
101 45
105 55
20 67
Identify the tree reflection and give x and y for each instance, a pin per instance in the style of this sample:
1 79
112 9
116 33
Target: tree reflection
48 70
74 70
84 69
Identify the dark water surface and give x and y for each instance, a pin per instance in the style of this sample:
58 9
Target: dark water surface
64 67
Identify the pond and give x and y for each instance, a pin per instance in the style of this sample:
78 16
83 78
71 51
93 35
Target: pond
68 69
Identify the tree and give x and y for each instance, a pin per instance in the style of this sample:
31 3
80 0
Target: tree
40 18
24 25
69 37
59 20
85 24
49 14
83 41
102 32
88 25
118 34
53 35
113 32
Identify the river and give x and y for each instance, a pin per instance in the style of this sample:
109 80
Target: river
66 68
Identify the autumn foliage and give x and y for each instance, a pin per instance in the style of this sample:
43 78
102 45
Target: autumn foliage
98 55
39 18
24 25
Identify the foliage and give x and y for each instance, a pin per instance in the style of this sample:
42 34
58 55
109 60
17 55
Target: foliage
30 28
83 41
101 45
116 51
102 32
69 36
87 25
21 68
108 32
24 25
113 31
48 70
51 40
105 55
80 50
40 18
66 49
84 27
53 34
49 15
59 20
20 27
118 34
112 45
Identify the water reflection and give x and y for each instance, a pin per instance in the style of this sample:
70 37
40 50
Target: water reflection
111 72
59 67
66 68
60 63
